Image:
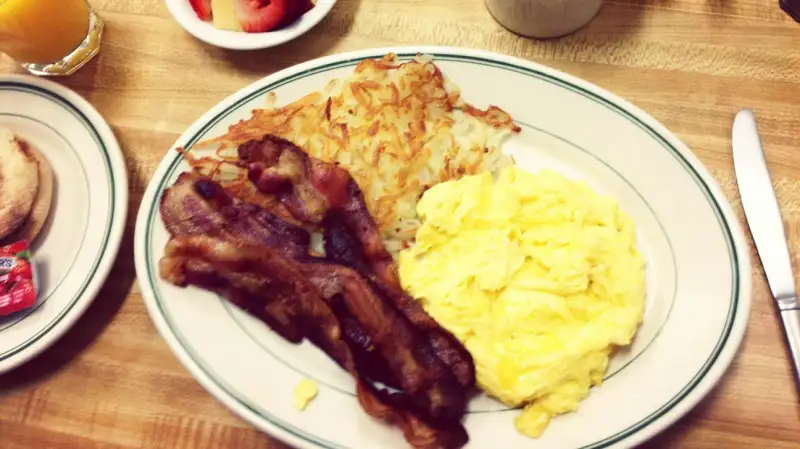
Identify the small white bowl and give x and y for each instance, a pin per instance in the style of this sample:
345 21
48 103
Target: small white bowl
239 40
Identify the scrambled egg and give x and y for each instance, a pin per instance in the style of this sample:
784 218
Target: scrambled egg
537 275
304 393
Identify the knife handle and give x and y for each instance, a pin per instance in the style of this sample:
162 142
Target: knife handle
791 327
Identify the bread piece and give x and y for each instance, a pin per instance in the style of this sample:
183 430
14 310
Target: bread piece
19 183
41 204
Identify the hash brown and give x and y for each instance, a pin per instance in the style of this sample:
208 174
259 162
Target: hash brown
398 127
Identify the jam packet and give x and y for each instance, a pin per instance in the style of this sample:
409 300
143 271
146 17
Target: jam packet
17 284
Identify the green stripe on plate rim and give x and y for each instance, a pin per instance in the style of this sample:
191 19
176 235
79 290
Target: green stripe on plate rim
529 71
24 314
81 117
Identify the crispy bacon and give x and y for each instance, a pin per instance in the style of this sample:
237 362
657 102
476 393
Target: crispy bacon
393 409
421 375
419 371
261 264
320 325
268 296
320 192
312 190
196 205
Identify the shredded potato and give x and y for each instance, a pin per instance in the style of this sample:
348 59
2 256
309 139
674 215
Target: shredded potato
398 128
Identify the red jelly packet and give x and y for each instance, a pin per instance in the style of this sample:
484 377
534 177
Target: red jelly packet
17 286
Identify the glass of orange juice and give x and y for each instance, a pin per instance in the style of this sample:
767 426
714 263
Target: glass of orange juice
50 37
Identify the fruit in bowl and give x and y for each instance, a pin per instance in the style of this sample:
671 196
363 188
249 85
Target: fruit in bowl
251 16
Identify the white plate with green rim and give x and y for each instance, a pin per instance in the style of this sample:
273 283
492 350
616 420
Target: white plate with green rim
698 269
75 250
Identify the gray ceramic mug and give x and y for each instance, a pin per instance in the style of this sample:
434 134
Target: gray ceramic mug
543 18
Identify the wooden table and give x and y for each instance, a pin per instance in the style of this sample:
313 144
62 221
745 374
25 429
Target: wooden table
112 382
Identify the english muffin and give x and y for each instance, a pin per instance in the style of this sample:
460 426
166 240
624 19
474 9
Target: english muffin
41 204
19 183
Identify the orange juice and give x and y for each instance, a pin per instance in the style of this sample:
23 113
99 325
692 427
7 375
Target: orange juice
42 31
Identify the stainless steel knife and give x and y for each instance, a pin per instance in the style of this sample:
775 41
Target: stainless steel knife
766 225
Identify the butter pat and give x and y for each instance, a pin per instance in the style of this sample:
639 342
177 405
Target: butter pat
304 393
225 16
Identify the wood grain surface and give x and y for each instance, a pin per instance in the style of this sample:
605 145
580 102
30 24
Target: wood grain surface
111 382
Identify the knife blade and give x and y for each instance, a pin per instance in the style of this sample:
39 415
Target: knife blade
763 216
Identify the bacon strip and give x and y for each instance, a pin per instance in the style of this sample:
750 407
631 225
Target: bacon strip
312 189
323 193
419 371
261 264
196 205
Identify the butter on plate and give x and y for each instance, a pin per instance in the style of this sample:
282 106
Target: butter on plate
304 393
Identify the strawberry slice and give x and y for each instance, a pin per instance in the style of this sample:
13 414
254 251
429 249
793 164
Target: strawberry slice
202 8
260 16
292 13
306 6
296 10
